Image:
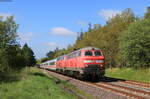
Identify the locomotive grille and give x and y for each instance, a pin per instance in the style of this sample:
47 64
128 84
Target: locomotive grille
93 68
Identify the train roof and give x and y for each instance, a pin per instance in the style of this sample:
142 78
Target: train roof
52 60
89 48
85 48
49 61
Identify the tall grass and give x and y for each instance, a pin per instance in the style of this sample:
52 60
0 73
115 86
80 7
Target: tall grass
142 75
33 85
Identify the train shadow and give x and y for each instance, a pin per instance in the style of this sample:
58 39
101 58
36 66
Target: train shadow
90 79
110 79
104 79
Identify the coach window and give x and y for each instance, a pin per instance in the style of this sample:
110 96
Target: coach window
79 53
68 56
74 55
52 63
97 53
71 55
88 53
58 58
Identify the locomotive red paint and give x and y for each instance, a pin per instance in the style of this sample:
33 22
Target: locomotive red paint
85 62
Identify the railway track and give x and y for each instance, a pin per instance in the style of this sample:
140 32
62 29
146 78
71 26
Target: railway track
119 91
128 89
147 85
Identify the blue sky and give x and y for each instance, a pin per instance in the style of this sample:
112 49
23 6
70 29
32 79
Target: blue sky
47 24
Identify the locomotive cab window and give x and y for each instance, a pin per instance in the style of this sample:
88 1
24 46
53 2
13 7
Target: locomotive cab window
88 53
52 63
97 53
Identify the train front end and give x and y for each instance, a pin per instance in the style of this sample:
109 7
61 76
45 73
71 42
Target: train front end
93 62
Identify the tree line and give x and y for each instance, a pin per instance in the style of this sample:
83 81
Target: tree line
124 39
13 57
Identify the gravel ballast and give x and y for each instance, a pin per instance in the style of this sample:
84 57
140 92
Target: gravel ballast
96 92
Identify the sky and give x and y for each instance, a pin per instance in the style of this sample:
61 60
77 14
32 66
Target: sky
47 24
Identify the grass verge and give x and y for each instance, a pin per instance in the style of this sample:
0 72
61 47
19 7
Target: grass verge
34 85
142 75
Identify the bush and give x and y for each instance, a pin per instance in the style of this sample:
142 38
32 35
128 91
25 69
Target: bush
134 44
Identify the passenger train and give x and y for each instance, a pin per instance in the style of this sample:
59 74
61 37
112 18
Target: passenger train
50 65
86 62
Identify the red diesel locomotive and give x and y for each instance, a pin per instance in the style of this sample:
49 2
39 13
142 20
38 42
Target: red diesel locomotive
86 62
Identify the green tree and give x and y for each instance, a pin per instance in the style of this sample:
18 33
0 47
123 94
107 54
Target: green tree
50 54
97 26
90 26
8 32
107 37
10 52
147 14
43 59
28 55
135 43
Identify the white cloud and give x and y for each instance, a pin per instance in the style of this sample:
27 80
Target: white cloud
108 13
62 31
51 44
26 36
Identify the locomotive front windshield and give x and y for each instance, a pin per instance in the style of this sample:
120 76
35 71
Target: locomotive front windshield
88 53
97 53
93 53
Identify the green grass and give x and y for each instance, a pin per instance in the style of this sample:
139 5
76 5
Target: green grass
34 85
142 75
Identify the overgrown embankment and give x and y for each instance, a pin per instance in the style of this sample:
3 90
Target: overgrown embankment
142 75
35 84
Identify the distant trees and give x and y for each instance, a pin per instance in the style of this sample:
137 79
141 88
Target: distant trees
43 60
111 33
124 39
107 37
147 14
28 55
11 55
10 51
135 44
50 54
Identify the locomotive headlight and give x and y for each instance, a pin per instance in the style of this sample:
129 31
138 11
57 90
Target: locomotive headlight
87 61
99 61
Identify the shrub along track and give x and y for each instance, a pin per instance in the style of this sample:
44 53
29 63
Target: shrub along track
110 88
